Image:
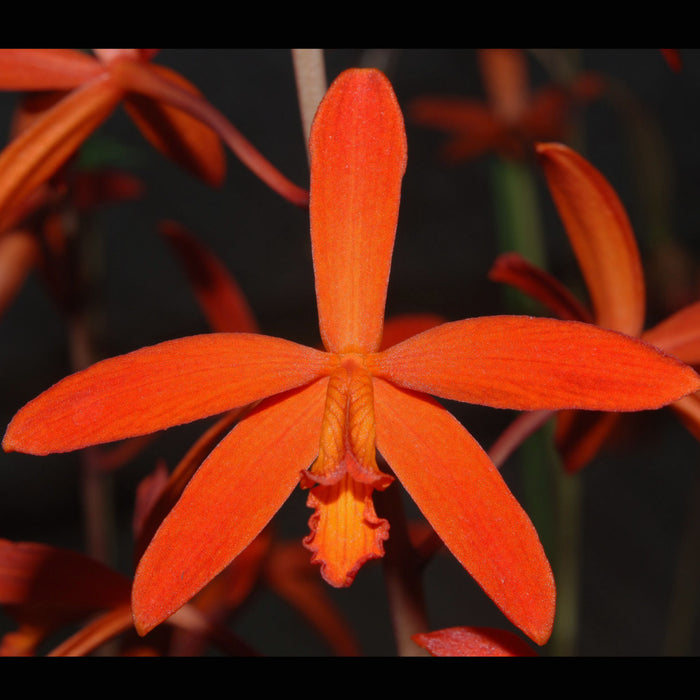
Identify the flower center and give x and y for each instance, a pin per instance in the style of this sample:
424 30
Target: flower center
347 443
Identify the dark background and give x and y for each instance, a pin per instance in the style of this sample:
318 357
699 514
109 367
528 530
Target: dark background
636 500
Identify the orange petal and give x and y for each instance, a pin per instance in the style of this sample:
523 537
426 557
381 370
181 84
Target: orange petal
345 530
40 150
158 493
228 502
529 364
464 497
513 269
601 236
679 334
179 136
358 158
473 641
218 293
175 382
46 69
96 633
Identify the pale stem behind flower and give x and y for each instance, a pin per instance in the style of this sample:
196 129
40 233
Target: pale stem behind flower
310 74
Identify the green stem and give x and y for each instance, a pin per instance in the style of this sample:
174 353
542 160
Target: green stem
552 498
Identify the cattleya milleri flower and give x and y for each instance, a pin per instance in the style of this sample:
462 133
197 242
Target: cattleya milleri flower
324 414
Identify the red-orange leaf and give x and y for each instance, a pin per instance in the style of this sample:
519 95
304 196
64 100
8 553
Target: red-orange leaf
175 382
533 363
464 497
358 158
228 502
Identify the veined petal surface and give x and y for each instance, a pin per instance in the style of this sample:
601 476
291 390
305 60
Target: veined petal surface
601 236
168 384
464 497
358 158
529 364
229 500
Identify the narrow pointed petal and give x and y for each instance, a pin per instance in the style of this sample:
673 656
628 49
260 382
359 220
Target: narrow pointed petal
40 150
679 334
464 497
515 270
161 386
218 293
580 436
601 236
96 633
179 136
46 69
358 158
529 364
473 641
138 77
228 502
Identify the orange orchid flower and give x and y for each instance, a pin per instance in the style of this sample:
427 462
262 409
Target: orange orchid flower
323 414
513 117
604 244
168 110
